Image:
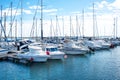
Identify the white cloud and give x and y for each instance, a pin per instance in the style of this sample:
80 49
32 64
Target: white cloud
106 6
35 7
50 10
116 4
104 20
27 11
100 5
14 11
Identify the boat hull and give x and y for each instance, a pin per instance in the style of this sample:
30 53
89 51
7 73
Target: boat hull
74 52
71 51
39 59
57 56
34 58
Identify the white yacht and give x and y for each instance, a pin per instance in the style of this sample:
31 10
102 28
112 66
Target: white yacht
53 51
35 53
104 45
70 47
92 45
115 42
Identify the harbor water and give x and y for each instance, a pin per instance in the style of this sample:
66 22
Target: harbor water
100 65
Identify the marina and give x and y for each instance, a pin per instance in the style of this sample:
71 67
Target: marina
52 40
42 51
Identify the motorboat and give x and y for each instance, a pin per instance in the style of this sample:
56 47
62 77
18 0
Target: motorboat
35 53
54 52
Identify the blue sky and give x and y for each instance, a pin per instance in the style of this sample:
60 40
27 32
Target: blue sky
105 11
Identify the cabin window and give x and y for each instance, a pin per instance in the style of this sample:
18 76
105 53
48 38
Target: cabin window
53 49
47 49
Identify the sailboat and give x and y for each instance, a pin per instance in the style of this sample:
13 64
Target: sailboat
71 47
115 41
2 50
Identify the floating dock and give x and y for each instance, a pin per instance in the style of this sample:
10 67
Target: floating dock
12 57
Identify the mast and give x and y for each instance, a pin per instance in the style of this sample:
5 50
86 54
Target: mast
1 24
56 26
77 27
11 20
51 29
58 31
36 29
41 19
116 27
2 28
70 27
83 22
63 25
21 16
5 21
16 30
93 22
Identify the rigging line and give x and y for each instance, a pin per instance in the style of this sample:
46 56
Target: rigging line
97 31
73 33
15 12
79 27
8 10
51 26
53 29
5 38
14 18
34 19
57 26
63 25
79 30
72 30
76 25
3 30
32 30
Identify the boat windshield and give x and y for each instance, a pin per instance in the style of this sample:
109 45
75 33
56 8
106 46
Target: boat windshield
51 49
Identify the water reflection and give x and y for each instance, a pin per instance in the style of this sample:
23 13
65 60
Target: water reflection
47 70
